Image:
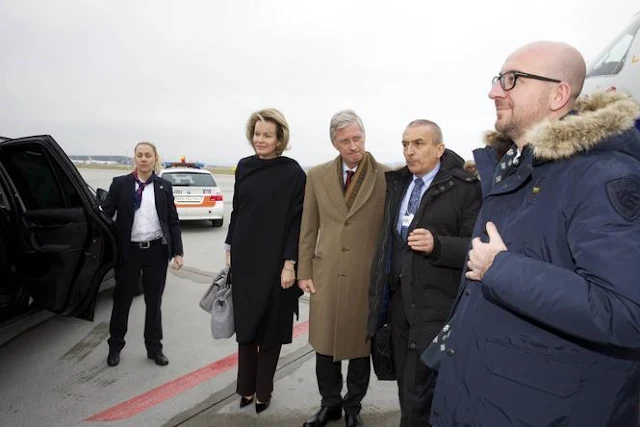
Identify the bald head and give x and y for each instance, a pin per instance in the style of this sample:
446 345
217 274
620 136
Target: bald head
551 78
557 60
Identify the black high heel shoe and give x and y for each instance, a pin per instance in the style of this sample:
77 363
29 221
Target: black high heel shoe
261 406
244 401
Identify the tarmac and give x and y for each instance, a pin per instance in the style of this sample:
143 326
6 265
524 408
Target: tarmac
53 369
295 395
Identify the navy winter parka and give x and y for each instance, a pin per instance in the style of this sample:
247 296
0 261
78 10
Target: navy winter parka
551 335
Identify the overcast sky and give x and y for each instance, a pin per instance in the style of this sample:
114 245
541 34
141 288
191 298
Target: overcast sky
101 75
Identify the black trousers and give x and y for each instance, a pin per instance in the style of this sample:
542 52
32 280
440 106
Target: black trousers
416 382
152 263
329 374
256 369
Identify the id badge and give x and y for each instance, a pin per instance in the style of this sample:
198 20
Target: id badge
406 220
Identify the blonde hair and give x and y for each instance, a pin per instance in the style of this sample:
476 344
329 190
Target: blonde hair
277 118
157 166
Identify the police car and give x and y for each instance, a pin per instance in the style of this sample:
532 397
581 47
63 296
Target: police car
196 193
617 66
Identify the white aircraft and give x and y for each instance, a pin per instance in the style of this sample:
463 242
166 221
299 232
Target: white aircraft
617 67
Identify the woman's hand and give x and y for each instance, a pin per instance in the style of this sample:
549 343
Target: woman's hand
288 275
228 258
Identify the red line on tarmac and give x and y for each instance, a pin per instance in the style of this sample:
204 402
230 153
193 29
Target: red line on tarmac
153 397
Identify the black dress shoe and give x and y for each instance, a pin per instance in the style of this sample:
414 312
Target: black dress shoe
159 358
323 416
113 358
353 420
244 401
261 406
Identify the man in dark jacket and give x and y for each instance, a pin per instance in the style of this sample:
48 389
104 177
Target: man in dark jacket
546 327
430 208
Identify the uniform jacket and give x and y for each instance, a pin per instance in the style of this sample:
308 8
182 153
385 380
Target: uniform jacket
551 335
429 282
336 249
120 200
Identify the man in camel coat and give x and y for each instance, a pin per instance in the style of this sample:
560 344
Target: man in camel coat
341 223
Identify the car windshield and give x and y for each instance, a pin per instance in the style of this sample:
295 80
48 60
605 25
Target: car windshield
611 60
189 179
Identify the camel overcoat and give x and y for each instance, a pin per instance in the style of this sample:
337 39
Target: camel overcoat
336 249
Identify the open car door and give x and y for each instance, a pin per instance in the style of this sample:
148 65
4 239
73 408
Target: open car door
66 245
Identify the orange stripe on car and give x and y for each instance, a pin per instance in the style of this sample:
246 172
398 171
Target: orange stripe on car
207 201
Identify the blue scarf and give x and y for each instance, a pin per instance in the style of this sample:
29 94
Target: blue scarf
137 194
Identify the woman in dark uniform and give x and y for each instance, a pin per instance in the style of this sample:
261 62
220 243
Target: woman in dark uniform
147 222
262 251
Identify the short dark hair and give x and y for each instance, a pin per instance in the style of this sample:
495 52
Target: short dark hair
435 129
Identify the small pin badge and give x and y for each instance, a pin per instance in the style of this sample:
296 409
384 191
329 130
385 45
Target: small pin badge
535 190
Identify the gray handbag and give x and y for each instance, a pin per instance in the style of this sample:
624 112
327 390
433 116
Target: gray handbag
222 323
206 302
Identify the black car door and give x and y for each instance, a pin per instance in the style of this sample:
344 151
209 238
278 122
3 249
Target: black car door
66 244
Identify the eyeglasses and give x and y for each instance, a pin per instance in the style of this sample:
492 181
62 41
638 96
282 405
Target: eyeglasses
508 79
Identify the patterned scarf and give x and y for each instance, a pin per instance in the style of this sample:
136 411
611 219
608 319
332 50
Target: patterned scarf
508 164
351 193
137 193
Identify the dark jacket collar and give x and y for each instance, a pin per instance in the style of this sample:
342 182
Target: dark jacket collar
451 164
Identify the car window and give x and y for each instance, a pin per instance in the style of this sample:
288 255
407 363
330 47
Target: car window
611 60
189 179
40 183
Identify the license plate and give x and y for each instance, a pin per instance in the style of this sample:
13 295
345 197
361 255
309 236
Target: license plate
187 199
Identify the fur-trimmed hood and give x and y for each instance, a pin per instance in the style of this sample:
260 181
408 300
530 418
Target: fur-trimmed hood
599 116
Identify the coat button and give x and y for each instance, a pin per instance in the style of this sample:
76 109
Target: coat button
413 345
450 352
413 305
467 292
442 188
450 183
345 249
436 413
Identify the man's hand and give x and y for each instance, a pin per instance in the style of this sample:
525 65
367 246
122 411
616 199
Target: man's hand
421 240
227 258
307 286
178 262
481 255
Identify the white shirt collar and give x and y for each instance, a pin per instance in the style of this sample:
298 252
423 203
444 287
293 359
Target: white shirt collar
428 177
345 168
